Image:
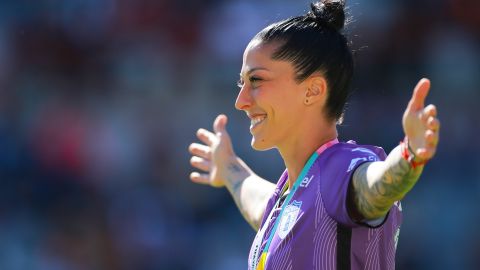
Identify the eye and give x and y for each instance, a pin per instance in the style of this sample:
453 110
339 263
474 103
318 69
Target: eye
254 79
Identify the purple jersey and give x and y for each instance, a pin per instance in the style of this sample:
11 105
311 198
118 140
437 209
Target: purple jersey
315 230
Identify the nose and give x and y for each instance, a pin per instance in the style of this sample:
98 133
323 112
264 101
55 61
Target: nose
244 98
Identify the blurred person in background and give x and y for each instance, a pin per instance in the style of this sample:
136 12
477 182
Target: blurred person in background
336 206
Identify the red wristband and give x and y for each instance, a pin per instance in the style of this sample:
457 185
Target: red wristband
409 155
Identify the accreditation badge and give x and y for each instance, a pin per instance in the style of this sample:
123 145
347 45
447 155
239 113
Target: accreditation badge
255 250
263 260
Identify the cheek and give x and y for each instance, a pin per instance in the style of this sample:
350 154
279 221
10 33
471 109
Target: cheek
284 111
280 99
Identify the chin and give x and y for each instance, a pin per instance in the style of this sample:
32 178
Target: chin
260 145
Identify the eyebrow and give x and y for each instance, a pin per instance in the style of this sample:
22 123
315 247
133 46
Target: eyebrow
253 69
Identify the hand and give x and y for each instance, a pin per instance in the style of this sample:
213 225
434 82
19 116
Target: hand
420 123
214 156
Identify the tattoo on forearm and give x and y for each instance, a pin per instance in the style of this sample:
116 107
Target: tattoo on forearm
235 178
374 197
233 170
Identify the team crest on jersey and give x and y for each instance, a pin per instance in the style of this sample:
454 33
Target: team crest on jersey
289 218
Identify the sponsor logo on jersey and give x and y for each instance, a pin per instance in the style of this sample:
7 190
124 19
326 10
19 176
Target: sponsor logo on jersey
289 218
353 163
306 181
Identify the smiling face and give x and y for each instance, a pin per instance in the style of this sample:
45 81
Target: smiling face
270 96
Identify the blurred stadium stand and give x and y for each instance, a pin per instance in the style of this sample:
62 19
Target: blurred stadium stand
99 100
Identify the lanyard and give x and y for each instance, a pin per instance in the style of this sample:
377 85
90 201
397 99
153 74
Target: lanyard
298 181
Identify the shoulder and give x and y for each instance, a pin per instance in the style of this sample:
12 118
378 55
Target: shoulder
336 166
352 153
353 148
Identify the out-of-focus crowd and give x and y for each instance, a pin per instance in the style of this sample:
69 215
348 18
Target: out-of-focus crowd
99 100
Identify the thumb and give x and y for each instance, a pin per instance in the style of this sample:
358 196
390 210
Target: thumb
220 128
220 125
417 102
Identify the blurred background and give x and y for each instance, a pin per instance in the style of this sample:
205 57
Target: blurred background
99 100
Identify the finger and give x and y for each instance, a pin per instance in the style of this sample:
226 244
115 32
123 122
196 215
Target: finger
206 136
200 178
220 124
426 153
417 102
433 123
200 163
431 138
424 117
430 110
200 150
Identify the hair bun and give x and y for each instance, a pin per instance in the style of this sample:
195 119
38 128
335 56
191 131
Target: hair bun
329 12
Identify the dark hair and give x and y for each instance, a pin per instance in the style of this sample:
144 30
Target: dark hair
314 43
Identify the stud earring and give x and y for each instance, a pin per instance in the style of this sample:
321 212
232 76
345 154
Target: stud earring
306 101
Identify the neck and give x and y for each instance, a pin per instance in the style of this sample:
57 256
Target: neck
296 152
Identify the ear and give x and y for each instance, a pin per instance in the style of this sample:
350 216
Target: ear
316 90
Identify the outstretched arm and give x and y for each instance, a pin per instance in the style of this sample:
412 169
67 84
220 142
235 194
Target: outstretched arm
223 168
376 186
249 191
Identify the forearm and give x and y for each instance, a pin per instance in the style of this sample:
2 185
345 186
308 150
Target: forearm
249 191
377 185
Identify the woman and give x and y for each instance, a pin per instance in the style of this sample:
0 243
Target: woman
336 206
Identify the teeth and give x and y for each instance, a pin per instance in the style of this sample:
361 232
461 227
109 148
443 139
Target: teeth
257 120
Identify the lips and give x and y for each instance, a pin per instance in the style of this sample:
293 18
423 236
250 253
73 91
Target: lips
256 119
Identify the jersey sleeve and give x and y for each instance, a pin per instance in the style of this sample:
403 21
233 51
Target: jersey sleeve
336 174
